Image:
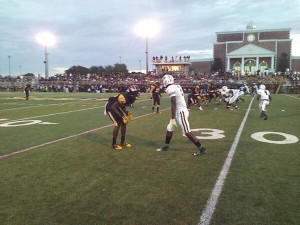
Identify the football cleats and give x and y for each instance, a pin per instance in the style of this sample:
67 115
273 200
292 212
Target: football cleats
117 147
167 80
126 145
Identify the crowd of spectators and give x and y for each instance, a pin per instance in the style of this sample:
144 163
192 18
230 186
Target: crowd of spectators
165 59
119 82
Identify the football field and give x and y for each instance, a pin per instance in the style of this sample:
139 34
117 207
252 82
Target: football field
57 166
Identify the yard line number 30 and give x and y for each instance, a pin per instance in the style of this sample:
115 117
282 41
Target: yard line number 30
208 133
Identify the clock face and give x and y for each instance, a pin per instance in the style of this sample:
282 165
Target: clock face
250 37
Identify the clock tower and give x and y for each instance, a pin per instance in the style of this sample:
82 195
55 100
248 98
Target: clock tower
251 37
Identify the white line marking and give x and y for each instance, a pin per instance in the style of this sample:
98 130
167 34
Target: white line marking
54 114
213 199
65 138
291 96
34 106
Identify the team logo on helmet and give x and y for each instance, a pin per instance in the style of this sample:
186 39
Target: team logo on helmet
121 99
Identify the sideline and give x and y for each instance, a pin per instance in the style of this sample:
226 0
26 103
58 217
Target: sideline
66 138
216 192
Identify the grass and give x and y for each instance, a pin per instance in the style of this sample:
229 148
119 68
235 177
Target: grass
81 180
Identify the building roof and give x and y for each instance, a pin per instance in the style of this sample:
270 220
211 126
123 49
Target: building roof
251 50
256 31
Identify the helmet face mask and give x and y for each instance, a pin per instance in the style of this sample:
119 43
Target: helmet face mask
167 80
133 88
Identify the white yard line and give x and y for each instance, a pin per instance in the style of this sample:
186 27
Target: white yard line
40 105
54 114
291 96
65 138
215 194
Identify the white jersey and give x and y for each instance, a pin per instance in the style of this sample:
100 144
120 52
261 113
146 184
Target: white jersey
235 91
264 94
182 113
176 90
235 95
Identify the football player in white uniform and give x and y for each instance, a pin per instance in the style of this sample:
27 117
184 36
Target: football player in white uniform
254 89
265 98
179 114
245 88
230 96
241 93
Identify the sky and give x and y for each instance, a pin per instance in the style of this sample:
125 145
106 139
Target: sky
102 32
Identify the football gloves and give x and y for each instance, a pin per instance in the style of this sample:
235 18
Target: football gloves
129 115
125 120
173 121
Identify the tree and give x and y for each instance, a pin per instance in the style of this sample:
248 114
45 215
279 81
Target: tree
78 70
98 70
109 69
28 75
216 65
283 62
120 68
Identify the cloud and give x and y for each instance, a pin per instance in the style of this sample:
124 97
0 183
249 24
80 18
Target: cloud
209 51
94 32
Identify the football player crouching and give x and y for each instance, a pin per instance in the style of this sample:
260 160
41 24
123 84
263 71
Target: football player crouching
230 96
116 110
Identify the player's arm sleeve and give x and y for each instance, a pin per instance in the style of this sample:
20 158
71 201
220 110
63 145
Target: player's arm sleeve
115 108
173 106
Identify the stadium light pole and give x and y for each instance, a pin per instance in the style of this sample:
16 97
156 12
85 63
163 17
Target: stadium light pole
46 39
147 28
147 56
140 67
9 73
20 67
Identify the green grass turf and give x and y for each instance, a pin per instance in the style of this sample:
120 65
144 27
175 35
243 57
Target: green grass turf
82 180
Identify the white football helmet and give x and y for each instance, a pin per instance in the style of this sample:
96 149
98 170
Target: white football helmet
167 80
262 87
224 88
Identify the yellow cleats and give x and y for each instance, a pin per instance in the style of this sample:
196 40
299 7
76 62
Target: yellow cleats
117 147
126 145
